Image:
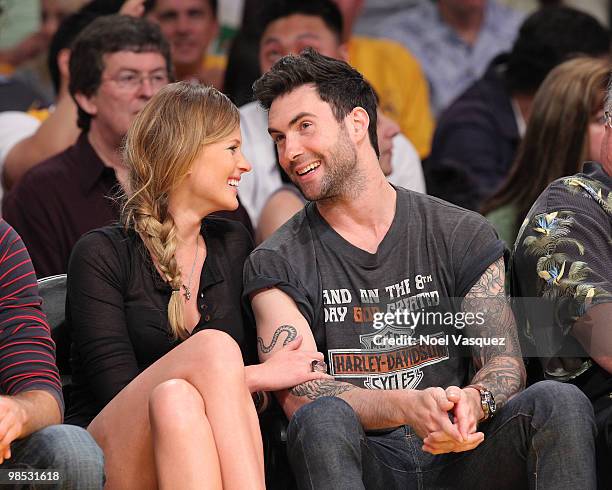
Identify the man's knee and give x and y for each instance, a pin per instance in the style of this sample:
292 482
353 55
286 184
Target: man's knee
72 451
325 422
561 401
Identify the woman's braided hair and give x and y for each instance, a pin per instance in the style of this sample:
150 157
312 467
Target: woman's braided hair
161 145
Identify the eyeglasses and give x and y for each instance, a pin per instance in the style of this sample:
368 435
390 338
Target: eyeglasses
133 81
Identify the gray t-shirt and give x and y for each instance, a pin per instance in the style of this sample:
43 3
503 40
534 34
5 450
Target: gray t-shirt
432 255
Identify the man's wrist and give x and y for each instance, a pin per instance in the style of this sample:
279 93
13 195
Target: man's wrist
474 393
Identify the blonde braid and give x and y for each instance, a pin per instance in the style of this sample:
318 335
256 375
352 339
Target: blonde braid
158 232
160 147
160 239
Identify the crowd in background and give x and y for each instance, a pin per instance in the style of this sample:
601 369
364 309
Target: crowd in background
492 107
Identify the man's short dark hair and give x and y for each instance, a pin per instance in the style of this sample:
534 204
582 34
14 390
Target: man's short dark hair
63 38
546 39
106 35
326 10
336 82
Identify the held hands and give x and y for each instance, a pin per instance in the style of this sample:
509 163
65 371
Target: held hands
290 367
12 418
467 411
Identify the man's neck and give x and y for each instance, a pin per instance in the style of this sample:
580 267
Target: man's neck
465 22
524 103
107 150
189 71
109 153
363 219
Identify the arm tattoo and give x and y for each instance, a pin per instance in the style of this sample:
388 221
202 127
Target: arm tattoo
501 367
320 387
291 335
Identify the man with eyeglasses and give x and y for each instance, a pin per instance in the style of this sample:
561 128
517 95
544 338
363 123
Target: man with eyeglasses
561 281
116 65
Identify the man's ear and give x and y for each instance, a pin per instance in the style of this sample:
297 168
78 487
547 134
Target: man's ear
63 60
358 122
86 103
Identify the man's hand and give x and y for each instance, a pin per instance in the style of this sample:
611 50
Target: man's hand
12 421
133 8
467 412
428 413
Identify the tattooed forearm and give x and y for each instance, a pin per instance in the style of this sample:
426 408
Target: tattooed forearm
503 376
291 335
321 387
501 367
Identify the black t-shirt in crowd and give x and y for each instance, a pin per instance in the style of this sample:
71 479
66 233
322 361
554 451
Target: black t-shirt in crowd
117 308
433 253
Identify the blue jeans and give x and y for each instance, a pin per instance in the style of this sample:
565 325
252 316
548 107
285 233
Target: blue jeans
542 438
66 448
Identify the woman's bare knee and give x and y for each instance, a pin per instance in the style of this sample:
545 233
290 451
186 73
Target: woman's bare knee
216 354
175 404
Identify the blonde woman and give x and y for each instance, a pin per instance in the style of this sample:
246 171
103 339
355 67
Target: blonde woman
159 336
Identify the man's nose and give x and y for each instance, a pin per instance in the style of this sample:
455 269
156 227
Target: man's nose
291 150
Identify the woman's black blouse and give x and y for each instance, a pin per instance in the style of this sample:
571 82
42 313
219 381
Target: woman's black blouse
117 306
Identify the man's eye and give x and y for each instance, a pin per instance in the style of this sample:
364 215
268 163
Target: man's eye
279 138
272 56
127 78
159 79
305 125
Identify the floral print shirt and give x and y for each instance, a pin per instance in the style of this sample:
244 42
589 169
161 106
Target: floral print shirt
562 265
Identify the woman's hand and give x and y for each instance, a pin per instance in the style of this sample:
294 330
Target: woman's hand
286 368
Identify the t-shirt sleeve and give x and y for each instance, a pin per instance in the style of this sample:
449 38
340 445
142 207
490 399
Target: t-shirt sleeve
474 248
265 269
27 355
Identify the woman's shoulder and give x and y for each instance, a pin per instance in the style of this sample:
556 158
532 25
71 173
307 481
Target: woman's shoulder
107 235
113 240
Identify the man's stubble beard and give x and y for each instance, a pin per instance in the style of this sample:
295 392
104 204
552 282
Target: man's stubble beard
343 178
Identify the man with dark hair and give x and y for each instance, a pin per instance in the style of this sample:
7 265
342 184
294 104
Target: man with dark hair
476 138
117 64
376 277
190 26
288 26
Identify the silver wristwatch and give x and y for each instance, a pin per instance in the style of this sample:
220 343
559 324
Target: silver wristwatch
487 401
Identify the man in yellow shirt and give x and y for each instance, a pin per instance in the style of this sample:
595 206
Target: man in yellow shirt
395 74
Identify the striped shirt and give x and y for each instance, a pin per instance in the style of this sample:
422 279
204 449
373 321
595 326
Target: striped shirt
450 64
27 352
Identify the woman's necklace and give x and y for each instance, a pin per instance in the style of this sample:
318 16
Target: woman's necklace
187 287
